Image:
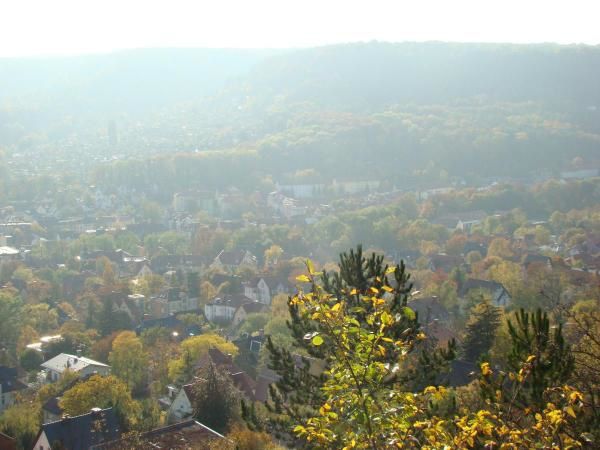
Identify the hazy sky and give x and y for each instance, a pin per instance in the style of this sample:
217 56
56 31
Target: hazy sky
42 27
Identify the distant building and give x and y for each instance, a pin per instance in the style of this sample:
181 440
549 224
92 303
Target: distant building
222 309
78 364
8 254
233 260
579 174
263 289
499 294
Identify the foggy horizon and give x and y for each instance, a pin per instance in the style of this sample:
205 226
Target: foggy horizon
67 28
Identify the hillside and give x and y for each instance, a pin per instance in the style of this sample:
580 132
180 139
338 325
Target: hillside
413 112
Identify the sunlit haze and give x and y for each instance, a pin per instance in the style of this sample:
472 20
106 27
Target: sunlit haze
33 27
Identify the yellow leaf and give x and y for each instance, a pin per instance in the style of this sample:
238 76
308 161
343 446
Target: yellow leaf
387 288
303 278
336 306
485 369
569 411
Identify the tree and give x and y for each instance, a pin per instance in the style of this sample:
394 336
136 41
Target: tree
254 322
40 317
455 245
549 358
207 292
481 329
101 392
363 403
10 311
193 284
216 400
500 247
149 285
128 360
30 360
300 390
22 421
272 255
194 348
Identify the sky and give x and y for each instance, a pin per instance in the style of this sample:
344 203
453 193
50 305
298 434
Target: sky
67 27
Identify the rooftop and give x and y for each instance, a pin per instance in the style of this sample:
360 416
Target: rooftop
75 363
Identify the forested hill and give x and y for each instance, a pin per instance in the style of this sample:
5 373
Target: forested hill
372 75
413 113
124 81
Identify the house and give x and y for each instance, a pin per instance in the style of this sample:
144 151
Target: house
8 254
179 436
429 309
464 221
187 263
9 386
7 442
182 406
80 432
78 364
263 289
251 343
222 309
129 306
499 294
172 301
230 261
247 308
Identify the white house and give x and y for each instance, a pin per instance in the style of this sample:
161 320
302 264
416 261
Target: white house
262 289
78 364
181 408
223 309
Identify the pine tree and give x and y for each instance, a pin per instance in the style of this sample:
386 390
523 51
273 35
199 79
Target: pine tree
216 400
481 328
298 392
548 358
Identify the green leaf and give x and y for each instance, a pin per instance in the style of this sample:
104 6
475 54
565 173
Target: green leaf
317 340
408 313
